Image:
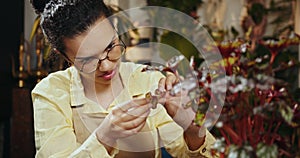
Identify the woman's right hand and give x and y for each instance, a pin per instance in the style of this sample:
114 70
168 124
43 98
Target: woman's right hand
124 120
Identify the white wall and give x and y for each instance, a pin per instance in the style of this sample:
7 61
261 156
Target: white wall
29 17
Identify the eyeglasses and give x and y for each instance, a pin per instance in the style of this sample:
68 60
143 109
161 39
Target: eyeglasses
113 53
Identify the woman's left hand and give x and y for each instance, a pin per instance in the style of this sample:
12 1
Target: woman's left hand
174 104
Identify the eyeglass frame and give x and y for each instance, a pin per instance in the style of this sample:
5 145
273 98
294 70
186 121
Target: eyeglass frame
107 50
100 60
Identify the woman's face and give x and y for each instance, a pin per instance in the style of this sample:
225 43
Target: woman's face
93 45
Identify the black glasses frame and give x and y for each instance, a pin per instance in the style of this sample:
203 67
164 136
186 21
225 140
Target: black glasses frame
107 57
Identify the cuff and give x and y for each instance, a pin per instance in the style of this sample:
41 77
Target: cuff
204 150
93 148
98 145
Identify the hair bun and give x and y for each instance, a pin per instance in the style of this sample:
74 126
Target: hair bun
39 5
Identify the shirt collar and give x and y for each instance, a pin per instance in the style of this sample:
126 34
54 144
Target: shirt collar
76 88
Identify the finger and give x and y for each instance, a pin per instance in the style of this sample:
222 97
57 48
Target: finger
132 103
162 100
171 108
134 123
126 133
180 100
161 84
135 113
181 92
171 79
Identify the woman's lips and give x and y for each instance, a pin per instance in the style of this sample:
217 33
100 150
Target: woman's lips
108 75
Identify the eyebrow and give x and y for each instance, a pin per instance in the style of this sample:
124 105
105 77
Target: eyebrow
94 56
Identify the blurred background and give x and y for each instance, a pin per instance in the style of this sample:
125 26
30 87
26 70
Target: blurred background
24 51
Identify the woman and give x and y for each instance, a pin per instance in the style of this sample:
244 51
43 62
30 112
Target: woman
97 108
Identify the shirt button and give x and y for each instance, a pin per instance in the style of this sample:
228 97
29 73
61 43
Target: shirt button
203 150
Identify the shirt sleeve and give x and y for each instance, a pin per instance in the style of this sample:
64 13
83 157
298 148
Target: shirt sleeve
53 123
92 148
171 135
54 133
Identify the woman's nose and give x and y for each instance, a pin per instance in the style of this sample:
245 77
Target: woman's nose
105 65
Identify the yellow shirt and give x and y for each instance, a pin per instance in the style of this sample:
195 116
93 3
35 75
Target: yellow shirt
57 95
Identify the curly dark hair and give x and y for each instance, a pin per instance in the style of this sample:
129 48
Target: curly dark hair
62 19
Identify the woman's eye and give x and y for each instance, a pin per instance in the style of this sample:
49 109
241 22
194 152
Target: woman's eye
86 60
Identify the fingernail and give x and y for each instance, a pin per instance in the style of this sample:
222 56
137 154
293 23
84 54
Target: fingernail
161 89
158 91
169 87
154 101
154 106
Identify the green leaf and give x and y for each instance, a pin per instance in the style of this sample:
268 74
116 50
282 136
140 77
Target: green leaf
286 112
244 151
266 151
